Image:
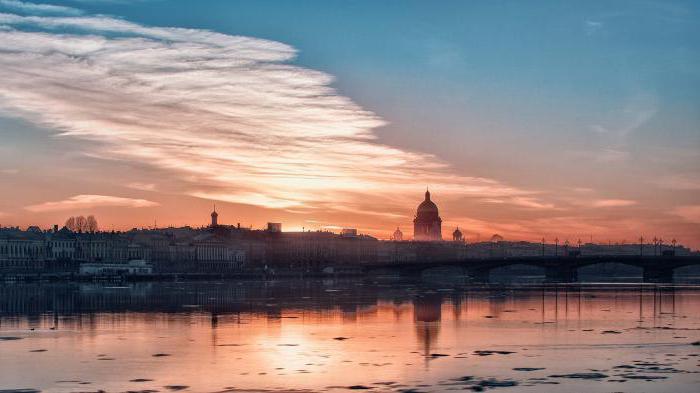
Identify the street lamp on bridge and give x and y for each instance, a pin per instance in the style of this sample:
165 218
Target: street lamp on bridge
543 246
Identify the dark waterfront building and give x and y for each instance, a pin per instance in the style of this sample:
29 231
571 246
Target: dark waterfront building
225 249
427 226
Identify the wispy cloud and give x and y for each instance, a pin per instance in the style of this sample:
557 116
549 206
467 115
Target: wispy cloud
35 8
142 186
591 26
679 182
602 156
690 213
636 111
227 116
79 202
611 155
613 203
521 201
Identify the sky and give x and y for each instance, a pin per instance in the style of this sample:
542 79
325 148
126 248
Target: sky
551 119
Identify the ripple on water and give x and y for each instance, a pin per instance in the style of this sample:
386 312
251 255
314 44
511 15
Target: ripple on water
580 376
19 391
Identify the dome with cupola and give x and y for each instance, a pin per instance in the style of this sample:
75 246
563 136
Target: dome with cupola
398 235
457 235
427 208
427 226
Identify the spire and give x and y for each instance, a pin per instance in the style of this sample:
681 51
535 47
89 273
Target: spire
214 217
427 194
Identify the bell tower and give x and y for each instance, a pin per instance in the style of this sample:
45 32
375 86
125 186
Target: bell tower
214 217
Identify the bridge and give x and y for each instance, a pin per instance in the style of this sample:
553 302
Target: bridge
557 268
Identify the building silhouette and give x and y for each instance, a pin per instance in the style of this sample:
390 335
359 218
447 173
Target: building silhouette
214 218
427 226
457 235
398 235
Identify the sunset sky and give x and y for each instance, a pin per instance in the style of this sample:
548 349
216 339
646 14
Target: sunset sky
527 119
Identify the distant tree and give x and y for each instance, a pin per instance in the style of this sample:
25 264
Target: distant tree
81 223
70 224
91 225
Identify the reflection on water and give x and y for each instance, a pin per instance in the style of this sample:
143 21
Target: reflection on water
337 335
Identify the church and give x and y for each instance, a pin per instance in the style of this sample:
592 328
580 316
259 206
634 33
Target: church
427 226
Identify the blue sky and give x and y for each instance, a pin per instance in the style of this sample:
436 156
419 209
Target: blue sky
575 106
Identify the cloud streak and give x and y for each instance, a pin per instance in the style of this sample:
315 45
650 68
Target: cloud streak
679 182
34 8
227 116
690 213
614 203
79 202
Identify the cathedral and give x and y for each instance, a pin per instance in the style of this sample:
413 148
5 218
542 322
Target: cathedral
427 226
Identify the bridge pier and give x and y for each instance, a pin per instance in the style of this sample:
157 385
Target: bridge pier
657 274
561 274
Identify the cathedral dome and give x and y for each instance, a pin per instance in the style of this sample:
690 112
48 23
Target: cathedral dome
427 207
427 224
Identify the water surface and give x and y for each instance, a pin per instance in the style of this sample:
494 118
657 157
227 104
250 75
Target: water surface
348 335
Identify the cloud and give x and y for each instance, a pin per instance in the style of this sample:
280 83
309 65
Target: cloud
690 213
611 155
613 203
226 117
679 182
78 202
9 171
34 8
635 112
592 27
521 201
142 186
602 156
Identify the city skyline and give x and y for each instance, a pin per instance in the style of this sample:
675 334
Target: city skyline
138 112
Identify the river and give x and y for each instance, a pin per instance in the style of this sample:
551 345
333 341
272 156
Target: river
345 335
